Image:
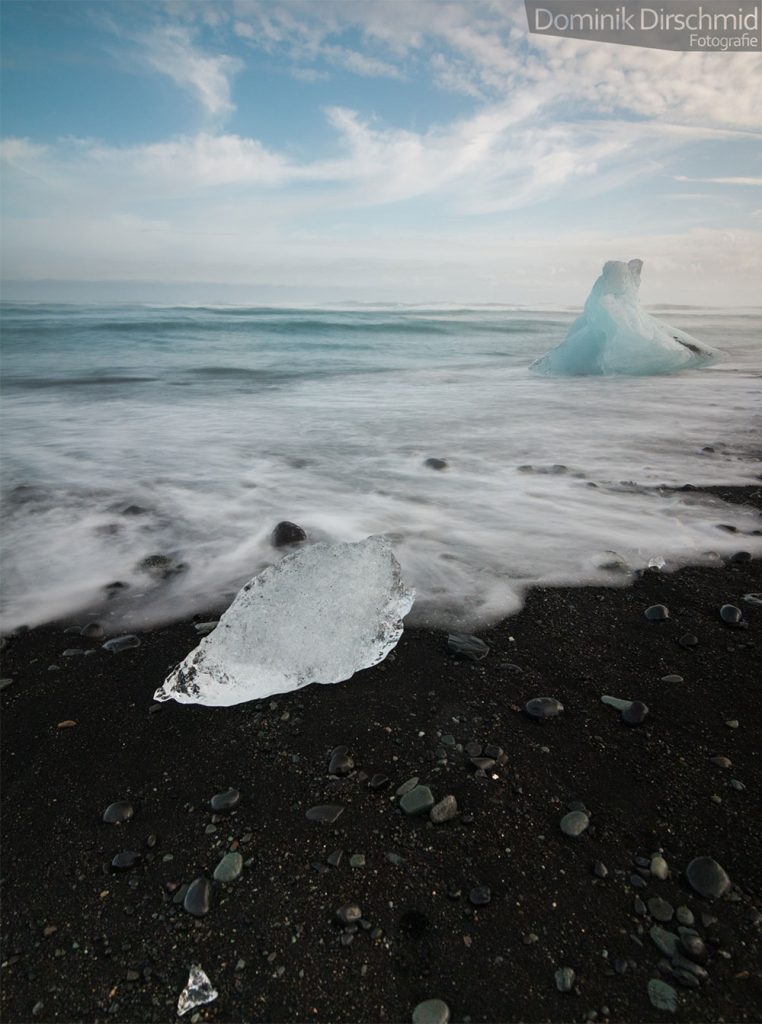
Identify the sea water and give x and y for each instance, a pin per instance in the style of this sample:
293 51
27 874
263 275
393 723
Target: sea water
136 431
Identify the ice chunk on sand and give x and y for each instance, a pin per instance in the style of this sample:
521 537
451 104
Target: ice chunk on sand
317 616
615 335
197 992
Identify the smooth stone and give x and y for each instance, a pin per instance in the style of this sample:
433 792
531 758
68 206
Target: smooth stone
730 614
229 868
349 913
448 740
637 882
431 1011
121 643
445 810
721 761
493 750
707 877
741 556
340 764
666 941
543 707
693 946
473 749
662 995
737 785
466 646
659 867
688 965
673 678
564 978
660 909
407 786
732 723
688 640
394 858
205 628
72 652
378 781
574 823
125 860
198 898
600 869
286 533
755 599
417 801
480 895
685 916
657 613
93 631
616 702
435 463
122 810
639 906
635 714
482 764
334 859
325 812
225 801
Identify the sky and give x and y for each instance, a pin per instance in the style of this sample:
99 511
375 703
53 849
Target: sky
351 151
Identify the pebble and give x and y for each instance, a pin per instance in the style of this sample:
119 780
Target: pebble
287 533
225 801
482 764
664 940
672 678
662 995
198 898
737 785
693 946
732 723
407 786
657 613
122 810
721 762
615 702
685 916
349 913
707 877
688 640
600 869
635 714
434 463
660 909
125 860
334 859
72 652
465 646
357 860
431 1011
659 867
93 631
378 781
229 868
564 977
730 614
741 556
574 823
340 764
417 801
445 810
543 707
327 813
480 895
753 599
205 628
473 749
121 643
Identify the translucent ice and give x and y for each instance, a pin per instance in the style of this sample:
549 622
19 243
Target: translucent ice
615 335
197 992
317 616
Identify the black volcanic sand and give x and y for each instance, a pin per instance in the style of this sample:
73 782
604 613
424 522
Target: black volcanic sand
90 944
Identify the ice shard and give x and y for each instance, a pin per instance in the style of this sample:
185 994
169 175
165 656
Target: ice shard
197 992
317 616
615 336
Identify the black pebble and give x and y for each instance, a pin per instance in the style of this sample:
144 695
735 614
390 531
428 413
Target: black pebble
125 860
635 713
480 896
287 533
122 810
225 801
198 898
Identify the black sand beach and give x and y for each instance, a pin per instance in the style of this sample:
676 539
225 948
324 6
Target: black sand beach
82 942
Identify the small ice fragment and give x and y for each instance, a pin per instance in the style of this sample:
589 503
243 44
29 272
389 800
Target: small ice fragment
657 562
753 599
197 992
317 616
121 643
615 335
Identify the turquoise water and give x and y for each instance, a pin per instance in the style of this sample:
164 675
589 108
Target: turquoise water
215 423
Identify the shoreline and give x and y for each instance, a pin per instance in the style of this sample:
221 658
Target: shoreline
93 944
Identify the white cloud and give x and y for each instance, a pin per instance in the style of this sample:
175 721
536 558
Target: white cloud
723 181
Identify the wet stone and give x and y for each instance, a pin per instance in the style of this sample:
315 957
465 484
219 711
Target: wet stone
660 909
417 801
543 707
635 714
93 631
379 781
659 867
462 645
662 995
672 678
122 810
334 859
480 895
286 533
692 946
473 749
688 640
493 750
730 614
685 916
574 823
707 877
667 942
340 764
445 810
657 613
357 860
721 762
198 898
229 868
434 463
349 913
407 786
121 643
482 764
600 869
125 860
327 813
564 978
431 1011
225 801
741 556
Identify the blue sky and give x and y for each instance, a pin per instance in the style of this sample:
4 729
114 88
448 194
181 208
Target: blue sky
411 151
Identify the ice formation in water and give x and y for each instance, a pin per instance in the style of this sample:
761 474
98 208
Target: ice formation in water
317 616
615 335
197 992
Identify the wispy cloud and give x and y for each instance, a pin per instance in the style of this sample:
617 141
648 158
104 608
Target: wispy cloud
722 181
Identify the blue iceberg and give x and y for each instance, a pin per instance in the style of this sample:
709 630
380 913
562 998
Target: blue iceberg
615 336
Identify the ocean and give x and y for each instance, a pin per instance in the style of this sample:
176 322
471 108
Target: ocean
133 431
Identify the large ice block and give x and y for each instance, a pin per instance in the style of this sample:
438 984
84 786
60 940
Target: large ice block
614 335
317 616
